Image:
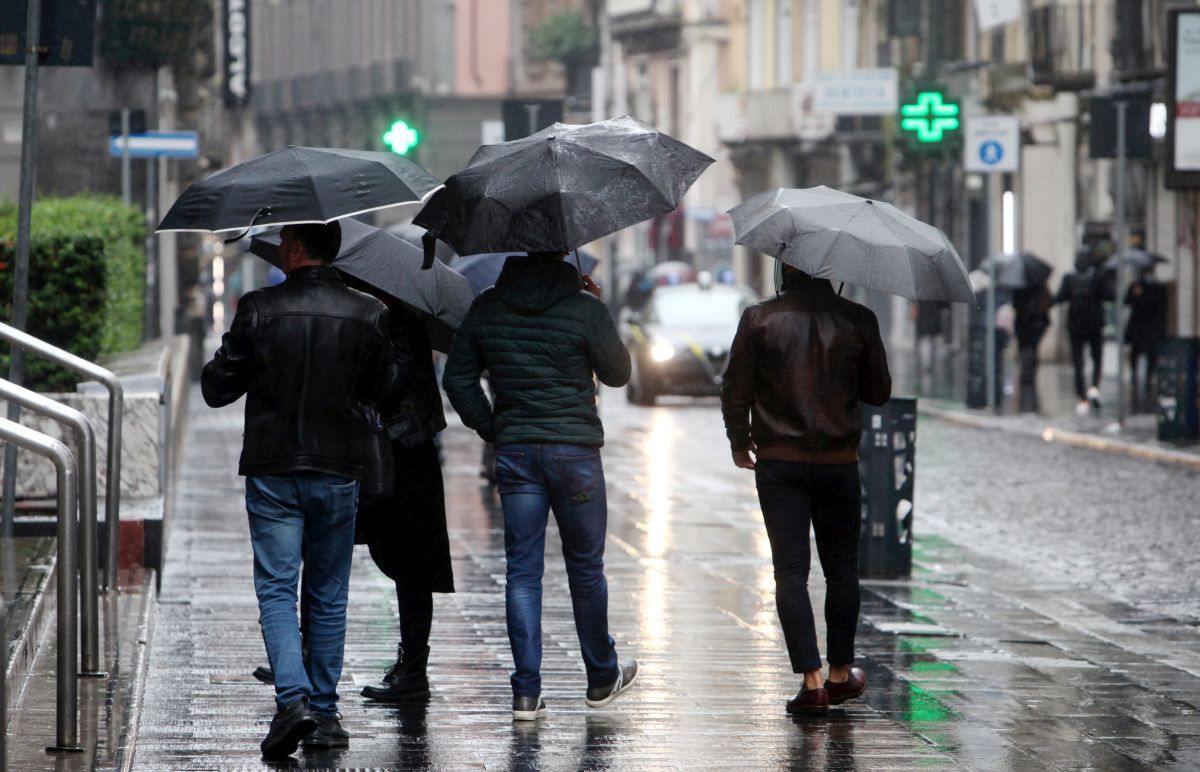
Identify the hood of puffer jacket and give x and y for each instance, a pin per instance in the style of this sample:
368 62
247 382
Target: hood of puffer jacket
532 284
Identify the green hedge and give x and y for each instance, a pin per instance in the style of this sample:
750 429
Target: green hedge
86 281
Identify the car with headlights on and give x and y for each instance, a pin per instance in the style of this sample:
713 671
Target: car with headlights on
679 342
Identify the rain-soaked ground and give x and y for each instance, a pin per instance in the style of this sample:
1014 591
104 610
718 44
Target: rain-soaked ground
1046 625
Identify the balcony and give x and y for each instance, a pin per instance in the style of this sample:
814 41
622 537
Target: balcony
1060 36
1139 41
771 115
643 26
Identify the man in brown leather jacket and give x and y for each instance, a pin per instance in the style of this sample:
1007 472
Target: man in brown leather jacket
801 366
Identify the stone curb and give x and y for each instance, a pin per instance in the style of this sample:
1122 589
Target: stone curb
1066 437
141 668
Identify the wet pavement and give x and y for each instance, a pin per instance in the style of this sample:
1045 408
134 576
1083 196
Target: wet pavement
1050 622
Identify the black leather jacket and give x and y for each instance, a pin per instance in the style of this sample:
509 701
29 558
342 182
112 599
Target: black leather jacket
412 410
800 368
307 353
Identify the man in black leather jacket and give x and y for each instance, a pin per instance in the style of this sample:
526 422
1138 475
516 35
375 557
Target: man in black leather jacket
307 353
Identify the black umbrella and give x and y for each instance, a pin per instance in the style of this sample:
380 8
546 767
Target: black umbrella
562 187
483 270
1138 258
1019 269
298 185
440 297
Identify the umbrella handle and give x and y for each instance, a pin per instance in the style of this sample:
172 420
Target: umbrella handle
579 267
262 212
429 246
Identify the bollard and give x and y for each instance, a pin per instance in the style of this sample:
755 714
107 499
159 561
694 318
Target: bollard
887 464
1176 393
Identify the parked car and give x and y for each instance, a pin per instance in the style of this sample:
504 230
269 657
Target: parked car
680 341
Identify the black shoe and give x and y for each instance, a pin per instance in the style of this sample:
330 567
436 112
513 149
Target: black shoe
328 734
265 674
290 725
404 681
528 708
598 698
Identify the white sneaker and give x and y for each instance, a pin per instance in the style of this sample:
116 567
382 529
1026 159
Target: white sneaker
1081 408
1093 395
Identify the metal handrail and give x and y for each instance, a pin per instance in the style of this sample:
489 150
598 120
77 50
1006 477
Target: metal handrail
116 410
88 581
67 718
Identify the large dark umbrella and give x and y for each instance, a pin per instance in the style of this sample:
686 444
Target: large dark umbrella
1018 270
440 296
833 235
298 185
1138 258
562 187
483 270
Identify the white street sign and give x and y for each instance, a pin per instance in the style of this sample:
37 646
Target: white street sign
997 13
157 144
857 92
992 144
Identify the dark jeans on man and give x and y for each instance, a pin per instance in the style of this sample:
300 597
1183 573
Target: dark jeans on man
1094 341
1141 397
315 513
569 479
1027 393
829 496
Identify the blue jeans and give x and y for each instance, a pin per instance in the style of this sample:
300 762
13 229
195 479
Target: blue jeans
317 511
533 479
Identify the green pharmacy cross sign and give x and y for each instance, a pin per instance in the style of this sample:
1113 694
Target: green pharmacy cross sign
401 137
929 117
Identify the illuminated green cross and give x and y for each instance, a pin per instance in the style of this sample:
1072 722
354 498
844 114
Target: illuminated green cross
929 117
401 137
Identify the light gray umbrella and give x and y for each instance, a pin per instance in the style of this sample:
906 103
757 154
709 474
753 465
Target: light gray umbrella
1019 269
833 235
439 296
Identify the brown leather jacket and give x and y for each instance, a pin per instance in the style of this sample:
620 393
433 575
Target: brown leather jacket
801 366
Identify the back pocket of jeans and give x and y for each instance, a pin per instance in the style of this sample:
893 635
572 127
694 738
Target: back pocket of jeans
579 475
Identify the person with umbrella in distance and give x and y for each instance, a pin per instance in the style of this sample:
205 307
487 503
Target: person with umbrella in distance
544 336
1084 290
307 354
1147 324
801 365
1025 276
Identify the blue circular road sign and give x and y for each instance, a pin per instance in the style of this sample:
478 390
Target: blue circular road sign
990 152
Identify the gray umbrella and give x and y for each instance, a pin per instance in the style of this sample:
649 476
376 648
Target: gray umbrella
1018 270
833 235
562 187
440 297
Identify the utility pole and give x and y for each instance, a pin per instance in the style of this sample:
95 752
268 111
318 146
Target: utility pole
16 367
1122 246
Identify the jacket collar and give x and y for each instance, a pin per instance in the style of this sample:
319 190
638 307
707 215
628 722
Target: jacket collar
801 283
316 272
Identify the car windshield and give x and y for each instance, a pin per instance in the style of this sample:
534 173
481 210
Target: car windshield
698 309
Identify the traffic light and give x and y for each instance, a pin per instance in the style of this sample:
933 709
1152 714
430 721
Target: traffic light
929 117
401 138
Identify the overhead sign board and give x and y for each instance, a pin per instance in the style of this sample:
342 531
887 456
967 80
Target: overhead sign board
158 144
1183 94
67 32
235 17
992 143
857 92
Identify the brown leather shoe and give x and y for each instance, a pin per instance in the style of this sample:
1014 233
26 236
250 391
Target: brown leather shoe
813 701
848 689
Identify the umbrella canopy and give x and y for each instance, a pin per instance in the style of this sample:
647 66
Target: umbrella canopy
1138 258
298 185
672 272
562 187
439 296
1019 269
483 270
413 235
829 234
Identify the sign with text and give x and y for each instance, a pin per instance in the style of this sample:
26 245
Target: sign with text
235 31
857 92
992 144
67 34
1183 93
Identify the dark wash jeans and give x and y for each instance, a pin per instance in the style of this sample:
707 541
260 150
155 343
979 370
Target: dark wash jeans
830 497
314 514
568 479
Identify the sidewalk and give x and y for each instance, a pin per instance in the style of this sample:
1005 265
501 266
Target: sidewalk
973 664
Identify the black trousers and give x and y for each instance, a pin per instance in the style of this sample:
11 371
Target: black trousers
1095 343
829 496
1028 395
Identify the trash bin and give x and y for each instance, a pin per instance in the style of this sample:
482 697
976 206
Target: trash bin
887 463
1176 392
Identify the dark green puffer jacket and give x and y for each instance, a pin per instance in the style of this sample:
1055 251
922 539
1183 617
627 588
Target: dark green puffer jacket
540 338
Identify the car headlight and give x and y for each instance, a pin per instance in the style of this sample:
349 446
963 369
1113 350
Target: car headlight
661 351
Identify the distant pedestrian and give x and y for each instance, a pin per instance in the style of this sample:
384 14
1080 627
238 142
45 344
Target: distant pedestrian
406 533
1145 331
1031 307
800 368
307 354
1084 291
542 339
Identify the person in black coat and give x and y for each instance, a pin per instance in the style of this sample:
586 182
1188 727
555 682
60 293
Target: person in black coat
406 533
1145 330
1084 290
1032 310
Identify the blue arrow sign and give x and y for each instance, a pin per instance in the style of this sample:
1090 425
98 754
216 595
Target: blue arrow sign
158 144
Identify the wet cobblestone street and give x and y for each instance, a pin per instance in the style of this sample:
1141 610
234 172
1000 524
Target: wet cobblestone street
1049 623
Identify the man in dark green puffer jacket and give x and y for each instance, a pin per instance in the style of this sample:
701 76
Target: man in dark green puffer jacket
541 338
